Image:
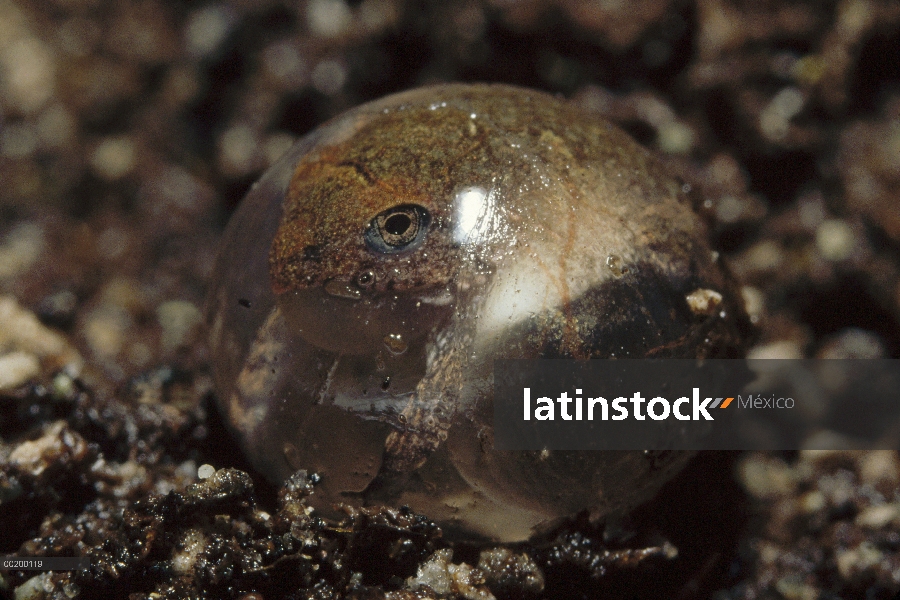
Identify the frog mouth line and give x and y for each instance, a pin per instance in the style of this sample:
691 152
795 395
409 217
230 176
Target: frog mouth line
343 288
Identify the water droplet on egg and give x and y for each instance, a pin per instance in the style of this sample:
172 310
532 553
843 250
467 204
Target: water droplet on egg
616 266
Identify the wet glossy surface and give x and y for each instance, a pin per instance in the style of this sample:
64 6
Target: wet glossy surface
370 278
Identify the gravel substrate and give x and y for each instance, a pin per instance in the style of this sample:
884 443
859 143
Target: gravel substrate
130 129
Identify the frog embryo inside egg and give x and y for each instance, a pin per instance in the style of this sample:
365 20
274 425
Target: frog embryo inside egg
370 278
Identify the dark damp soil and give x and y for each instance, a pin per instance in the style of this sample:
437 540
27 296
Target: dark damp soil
130 130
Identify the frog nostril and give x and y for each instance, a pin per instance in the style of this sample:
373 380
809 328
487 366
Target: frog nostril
313 253
365 279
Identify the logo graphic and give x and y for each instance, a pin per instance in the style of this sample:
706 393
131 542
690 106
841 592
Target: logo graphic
658 408
724 405
672 404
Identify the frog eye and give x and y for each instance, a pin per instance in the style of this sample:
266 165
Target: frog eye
398 229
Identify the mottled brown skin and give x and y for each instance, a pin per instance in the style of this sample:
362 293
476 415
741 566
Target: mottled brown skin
418 156
374 367
334 195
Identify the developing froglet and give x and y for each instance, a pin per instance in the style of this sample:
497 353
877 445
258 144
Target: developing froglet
373 274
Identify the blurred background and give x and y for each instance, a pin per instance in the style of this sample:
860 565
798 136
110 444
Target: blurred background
130 129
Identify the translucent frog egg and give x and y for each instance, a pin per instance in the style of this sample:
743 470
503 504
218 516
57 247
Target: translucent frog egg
371 277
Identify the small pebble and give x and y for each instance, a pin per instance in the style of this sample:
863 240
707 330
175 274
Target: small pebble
774 120
433 573
879 466
812 502
192 544
861 558
766 255
517 574
20 330
35 588
285 63
179 319
876 517
835 240
703 301
206 29
238 150
29 72
20 249
781 349
114 158
63 386
754 302
853 343
809 69
57 445
445 577
729 209
106 328
328 18
792 587
17 368
765 477
675 137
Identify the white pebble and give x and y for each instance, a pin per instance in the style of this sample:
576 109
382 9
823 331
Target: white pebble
781 349
284 61
20 330
29 72
674 137
238 147
178 319
876 517
35 588
703 301
835 239
774 120
16 368
754 302
105 329
113 158
206 29
21 249
328 18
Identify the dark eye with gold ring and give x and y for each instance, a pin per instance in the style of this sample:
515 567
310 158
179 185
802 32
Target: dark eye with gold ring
398 229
